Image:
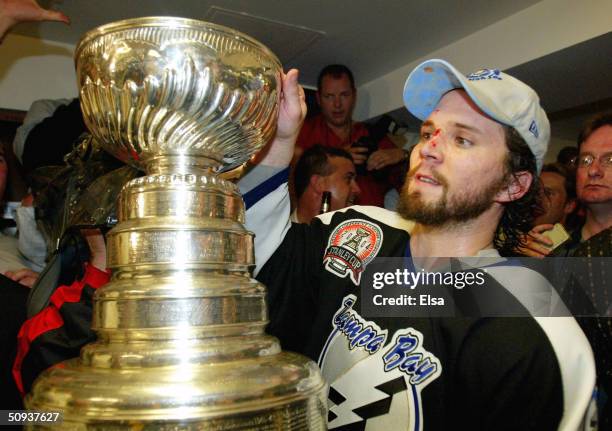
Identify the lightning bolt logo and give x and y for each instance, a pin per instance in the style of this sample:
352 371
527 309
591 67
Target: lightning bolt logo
379 390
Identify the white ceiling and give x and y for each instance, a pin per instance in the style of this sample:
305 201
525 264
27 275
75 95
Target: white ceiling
372 37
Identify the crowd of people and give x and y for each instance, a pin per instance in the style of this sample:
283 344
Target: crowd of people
475 186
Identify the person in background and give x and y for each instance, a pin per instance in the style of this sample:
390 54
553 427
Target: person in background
60 118
20 253
9 255
594 175
558 205
593 170
566 156
593 239
13 12
334 127
13 296
587 296
319 170
559 192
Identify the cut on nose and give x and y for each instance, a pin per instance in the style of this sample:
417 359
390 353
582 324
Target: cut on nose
430 150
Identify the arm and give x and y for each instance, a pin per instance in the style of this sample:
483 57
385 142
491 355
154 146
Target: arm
13 12
292 111
265 186
387 154
389 164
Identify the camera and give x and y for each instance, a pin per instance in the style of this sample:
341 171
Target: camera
371 145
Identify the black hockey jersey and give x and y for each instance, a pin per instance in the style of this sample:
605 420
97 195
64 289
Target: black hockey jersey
409 373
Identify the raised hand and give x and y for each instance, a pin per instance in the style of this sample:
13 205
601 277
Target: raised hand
291 114
15 11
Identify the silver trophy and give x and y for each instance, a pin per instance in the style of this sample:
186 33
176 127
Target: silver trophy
181 342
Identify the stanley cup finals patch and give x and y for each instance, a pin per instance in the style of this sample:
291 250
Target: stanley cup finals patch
351 246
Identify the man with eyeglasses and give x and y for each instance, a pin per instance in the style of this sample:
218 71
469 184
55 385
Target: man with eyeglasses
593 182
594 240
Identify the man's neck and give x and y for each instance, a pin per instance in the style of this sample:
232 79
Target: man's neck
342 132
307 209
455 239
598 218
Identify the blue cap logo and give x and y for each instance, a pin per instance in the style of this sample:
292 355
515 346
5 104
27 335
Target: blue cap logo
533 128
483 74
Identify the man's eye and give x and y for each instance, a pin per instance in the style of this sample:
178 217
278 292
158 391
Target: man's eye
463 142
425 136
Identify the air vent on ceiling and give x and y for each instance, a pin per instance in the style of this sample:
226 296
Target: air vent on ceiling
287 41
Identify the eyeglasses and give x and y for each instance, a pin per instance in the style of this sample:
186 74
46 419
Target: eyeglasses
586 160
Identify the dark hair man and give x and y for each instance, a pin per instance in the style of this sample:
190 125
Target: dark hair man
557 203
593 184
559 192
322 170
566 155
594 240
334 127
482 142
594 174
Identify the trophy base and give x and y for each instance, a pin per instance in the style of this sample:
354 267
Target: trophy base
280 391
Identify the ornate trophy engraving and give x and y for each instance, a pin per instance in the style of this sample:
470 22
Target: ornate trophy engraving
181 342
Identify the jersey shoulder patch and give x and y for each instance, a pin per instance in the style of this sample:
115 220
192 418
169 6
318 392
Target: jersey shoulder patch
351 246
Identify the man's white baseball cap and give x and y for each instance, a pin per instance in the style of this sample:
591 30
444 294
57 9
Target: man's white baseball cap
500 96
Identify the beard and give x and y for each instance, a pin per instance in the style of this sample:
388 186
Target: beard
454 209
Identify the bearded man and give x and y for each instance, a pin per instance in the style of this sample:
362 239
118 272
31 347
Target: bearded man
471 179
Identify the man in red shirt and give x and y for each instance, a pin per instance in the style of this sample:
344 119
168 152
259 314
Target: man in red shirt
334 127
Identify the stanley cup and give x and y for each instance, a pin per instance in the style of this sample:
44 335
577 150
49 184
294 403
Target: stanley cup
180 326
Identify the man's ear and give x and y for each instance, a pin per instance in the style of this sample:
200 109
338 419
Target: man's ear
518 185
570 206
318 97
318 183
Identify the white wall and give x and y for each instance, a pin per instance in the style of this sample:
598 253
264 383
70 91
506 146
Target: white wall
33 69
544 28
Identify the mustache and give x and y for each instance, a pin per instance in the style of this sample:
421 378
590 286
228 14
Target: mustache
435 175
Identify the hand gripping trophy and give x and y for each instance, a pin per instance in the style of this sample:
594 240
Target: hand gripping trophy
181 342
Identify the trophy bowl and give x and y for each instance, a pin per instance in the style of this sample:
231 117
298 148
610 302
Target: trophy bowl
179 90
